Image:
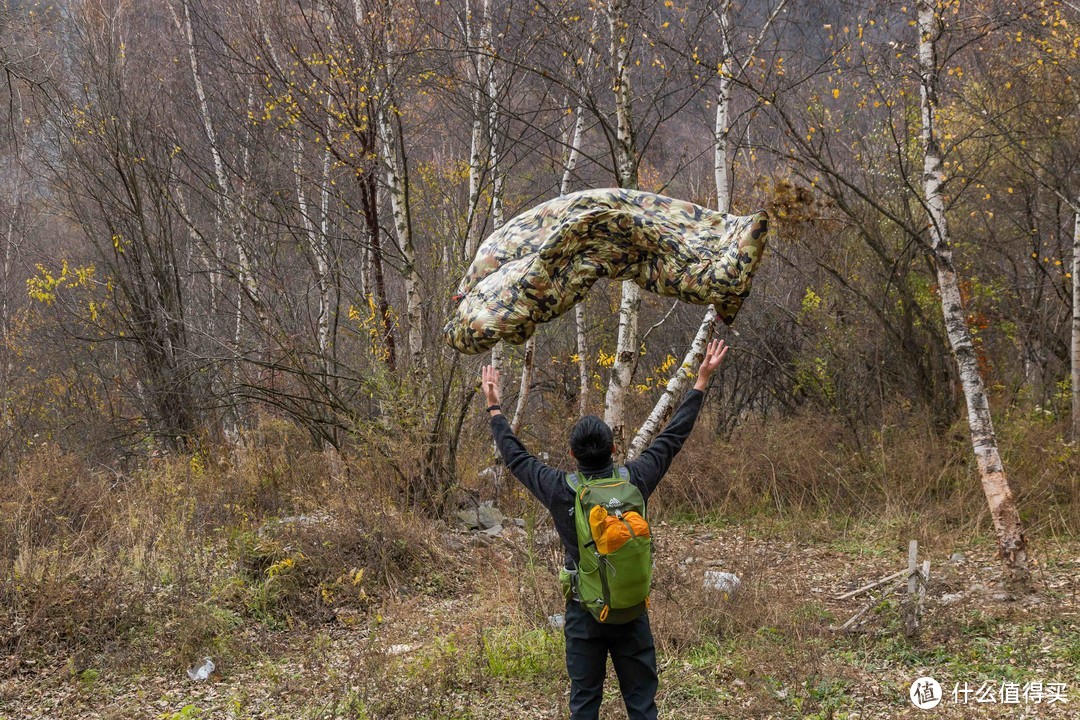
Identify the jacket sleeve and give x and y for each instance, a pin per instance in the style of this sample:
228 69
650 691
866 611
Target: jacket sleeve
650 466
541 480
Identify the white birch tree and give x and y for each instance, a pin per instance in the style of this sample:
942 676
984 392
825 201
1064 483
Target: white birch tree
1010 536
394 158
626 170
1075 334
573 143
479 50
570 166
228 212
317 244
729 72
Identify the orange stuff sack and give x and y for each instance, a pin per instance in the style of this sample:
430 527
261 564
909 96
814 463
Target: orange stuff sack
610 532
598 517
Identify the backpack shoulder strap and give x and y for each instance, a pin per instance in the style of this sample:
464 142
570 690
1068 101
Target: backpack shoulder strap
574 480
624 473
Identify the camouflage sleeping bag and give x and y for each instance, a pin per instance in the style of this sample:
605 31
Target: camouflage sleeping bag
537 266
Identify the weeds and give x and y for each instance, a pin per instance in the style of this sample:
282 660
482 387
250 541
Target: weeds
510 652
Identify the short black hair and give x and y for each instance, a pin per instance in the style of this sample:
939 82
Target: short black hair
591 440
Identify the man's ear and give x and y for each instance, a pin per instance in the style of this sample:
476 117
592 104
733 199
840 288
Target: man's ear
613 450
573 455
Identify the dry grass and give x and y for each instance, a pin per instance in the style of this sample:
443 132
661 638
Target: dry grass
166 563
273 555
812 464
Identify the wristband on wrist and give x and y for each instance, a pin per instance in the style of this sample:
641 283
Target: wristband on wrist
496 406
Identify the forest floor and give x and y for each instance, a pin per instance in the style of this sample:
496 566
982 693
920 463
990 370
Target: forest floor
474 639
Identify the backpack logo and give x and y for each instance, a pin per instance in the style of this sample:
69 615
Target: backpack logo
614 503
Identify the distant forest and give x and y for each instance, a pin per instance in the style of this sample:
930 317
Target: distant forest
213 213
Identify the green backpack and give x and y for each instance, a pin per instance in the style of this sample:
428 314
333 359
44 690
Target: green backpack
614 574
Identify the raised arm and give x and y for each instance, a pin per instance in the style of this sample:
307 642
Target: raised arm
651 465
540 479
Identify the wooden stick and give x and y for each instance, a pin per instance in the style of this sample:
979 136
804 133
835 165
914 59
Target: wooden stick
924 580
866 608
913 566
872 585
911 600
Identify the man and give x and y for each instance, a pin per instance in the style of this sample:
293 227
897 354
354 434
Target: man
589 642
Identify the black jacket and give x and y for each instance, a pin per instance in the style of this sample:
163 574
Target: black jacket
549 484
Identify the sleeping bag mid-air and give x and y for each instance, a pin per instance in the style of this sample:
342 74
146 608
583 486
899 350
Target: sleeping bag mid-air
537 266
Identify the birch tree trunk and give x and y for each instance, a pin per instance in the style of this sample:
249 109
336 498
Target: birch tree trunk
572 157
226 216
678 383
397 182
676 386
582 353
5 288
369 190
526 382
1076 326
494 141
579 313
498 353
481 54
317 244
228 210
579 308
1010 536
626 168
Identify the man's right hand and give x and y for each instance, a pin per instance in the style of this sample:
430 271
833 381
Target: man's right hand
713 355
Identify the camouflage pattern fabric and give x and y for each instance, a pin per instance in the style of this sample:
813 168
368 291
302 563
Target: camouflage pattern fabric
537 266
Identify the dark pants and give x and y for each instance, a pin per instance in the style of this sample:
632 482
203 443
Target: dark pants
632 653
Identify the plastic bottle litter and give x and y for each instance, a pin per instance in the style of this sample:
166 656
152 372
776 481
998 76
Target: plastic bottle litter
556 621
727 583
202 670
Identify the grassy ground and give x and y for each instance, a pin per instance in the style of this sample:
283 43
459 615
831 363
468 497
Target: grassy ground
473 640
317 596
